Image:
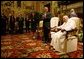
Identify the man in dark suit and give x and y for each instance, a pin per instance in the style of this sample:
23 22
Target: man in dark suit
33 22
12 23
27 23
20 23
3 24
46 24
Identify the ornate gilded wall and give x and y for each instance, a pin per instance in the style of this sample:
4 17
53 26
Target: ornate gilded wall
28 6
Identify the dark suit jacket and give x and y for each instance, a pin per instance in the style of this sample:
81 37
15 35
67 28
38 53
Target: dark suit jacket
12 21
20 21
46 21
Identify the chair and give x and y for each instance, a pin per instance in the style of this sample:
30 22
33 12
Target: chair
71 39
40 30
53 23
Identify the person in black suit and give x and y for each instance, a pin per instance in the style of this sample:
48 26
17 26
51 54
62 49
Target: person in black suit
46 24
20 23
16 25
33 22
27 23
12 23
3 24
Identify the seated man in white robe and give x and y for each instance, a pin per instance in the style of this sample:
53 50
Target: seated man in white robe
59 37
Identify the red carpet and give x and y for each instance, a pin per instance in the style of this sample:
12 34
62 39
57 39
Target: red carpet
23 46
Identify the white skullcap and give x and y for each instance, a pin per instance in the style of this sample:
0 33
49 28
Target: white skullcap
72 10
65 16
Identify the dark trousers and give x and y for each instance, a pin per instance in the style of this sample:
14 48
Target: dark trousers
27 27
33 27
46 34
11 29
20 29
3 31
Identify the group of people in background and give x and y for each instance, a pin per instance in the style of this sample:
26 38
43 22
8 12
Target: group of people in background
19 24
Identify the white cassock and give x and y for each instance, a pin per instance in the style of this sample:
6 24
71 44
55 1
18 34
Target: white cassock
59 37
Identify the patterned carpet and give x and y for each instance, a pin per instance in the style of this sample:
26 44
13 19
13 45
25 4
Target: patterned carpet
24 46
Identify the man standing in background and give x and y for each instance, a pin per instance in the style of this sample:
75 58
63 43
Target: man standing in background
20 23
12 22
46 24
3 23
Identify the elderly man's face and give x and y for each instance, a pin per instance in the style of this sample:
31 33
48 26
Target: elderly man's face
33 14
65 18
46 9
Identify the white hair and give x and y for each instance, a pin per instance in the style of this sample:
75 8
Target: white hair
66 17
